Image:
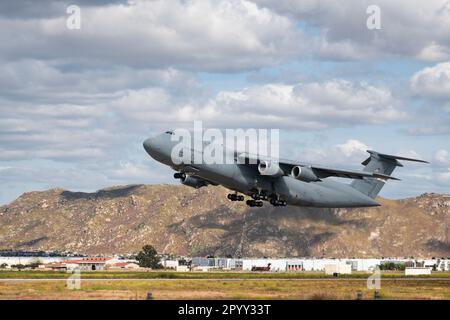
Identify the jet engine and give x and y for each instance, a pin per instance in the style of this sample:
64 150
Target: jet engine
266 168
193 182
304 174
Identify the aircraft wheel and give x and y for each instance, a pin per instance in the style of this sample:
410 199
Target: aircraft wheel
179 175
278 203
235 197
254 203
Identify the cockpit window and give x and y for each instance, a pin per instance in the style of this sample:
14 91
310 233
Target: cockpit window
169 132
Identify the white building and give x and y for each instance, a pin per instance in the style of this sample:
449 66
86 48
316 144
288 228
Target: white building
10 261
417 271
182 268
170 264
443 265
310 264
364 264
275 264
338 269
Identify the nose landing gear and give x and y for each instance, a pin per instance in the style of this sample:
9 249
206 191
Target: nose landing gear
179 175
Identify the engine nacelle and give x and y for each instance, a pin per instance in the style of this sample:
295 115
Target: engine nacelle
304 174
193 182
266 168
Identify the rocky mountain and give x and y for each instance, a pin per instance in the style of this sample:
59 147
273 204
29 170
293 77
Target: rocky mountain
182 220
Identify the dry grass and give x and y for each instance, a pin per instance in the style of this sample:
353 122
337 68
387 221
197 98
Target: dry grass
222 289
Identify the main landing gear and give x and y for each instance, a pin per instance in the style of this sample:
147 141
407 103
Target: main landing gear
235 197
254 203
257 199
259 196
278 203
240 197
275 200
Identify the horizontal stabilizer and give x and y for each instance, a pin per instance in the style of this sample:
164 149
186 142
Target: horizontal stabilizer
389 157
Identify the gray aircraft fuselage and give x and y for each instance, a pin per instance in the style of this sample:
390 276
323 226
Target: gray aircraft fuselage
245 179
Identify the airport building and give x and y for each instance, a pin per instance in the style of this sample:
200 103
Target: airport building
91 264
235 264
311 264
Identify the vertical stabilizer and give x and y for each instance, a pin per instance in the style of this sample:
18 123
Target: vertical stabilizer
378 163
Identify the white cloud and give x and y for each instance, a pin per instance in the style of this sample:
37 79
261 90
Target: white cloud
222 35
310 105
352 147
434 52
347 154
409 153
53 131
131 171
412 28
432 82
58 82
442 157
332 103
444 176
430 129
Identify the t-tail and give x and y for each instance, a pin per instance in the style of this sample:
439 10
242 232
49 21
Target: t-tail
378 163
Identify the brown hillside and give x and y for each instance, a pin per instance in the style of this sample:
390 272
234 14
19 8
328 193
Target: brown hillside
181 220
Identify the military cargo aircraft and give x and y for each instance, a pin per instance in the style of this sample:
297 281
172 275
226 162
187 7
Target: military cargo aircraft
289 182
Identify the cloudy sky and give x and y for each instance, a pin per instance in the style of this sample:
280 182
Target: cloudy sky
76 104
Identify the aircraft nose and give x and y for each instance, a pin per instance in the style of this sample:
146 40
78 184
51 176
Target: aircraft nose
149 145
158 148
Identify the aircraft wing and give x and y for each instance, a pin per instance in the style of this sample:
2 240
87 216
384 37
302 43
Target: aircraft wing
323 172
320 171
